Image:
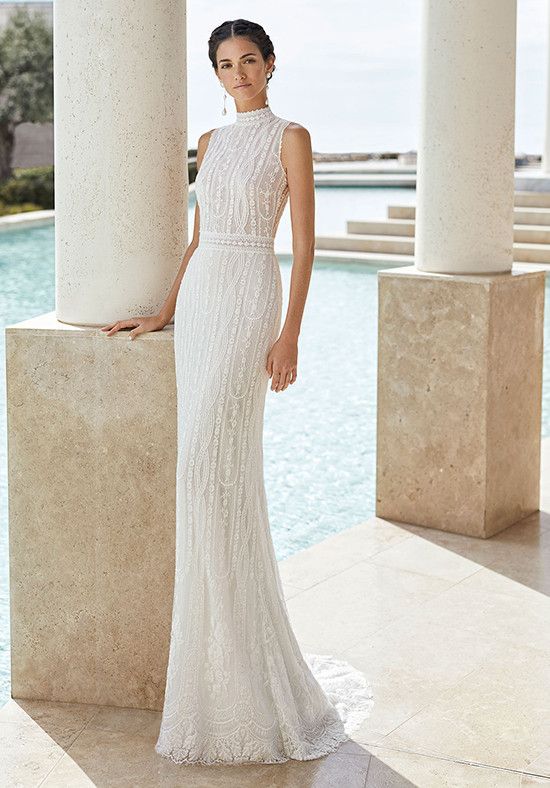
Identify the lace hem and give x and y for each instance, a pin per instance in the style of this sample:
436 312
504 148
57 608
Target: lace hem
331 743
346 688
348 692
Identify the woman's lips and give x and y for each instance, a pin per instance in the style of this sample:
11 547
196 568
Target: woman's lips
242 86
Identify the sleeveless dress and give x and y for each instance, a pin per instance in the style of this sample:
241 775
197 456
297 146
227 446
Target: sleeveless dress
238 689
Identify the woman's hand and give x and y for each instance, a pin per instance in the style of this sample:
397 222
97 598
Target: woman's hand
282 361
140 325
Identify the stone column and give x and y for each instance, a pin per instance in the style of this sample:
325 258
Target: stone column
91 419
465 174
460 333
120 156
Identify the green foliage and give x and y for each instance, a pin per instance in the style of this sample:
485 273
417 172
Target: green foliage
26 69
8 210
34 185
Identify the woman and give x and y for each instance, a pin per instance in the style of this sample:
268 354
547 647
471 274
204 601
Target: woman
238 688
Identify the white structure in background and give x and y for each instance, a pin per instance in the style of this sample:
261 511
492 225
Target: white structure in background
460 333
465 169
120 117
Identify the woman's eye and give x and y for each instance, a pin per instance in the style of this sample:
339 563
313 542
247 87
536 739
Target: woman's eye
248 60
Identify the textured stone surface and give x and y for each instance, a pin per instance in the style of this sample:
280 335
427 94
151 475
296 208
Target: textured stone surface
465 167
459 398
120 138
460 674
92 456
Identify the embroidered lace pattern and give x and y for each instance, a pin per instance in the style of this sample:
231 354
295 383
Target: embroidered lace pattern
238 688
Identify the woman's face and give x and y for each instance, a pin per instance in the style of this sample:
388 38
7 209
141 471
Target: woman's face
241 68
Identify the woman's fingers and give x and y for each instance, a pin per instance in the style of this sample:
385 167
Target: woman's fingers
140 325
281 379
112 328
139 330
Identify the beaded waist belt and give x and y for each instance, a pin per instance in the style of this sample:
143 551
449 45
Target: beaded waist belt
209 238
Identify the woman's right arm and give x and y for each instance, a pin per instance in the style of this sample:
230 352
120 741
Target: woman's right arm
141 325
167 312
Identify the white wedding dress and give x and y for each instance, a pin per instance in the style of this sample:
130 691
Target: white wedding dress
238 689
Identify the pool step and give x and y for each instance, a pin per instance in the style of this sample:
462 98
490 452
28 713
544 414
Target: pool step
403 212
532 199
523 215
395 235
404 246
539 216
372 258
403 227
532 253
522 199
390 244
523 233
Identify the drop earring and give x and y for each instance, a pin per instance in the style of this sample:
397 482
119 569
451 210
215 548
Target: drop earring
224 110
268 77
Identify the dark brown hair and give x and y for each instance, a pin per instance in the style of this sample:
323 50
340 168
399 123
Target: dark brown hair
240 27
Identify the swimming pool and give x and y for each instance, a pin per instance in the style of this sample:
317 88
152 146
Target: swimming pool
319 435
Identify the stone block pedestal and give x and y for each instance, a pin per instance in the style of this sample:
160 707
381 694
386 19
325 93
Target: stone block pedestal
459 398
92 462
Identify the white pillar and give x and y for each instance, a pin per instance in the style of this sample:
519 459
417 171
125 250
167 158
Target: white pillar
120 156
465 182
545 164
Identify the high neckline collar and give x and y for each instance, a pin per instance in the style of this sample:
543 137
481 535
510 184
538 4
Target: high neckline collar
254 115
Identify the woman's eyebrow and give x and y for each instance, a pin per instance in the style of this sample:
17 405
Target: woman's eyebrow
229 59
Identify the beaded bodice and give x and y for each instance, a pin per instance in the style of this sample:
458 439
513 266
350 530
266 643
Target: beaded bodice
241 186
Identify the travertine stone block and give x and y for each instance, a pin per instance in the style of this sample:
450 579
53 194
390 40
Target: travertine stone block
92 462
459 398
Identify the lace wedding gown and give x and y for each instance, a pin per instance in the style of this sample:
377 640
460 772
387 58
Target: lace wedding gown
238 689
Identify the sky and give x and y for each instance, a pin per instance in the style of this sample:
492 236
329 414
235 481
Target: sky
350 70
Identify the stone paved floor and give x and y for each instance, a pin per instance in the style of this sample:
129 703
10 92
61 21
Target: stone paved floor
453 633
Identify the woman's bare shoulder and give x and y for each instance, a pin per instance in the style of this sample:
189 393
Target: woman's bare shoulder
296 138
202 145
295 146
205 137
292 126
296 134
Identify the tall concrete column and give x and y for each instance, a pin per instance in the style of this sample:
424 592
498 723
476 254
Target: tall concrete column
460 333
465 182
120 156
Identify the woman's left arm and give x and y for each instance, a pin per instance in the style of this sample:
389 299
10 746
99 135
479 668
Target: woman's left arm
297 160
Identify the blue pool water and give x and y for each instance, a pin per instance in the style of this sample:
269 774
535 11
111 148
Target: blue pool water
319 436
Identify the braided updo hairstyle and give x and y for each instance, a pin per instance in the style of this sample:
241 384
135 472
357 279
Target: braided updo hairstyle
240 27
